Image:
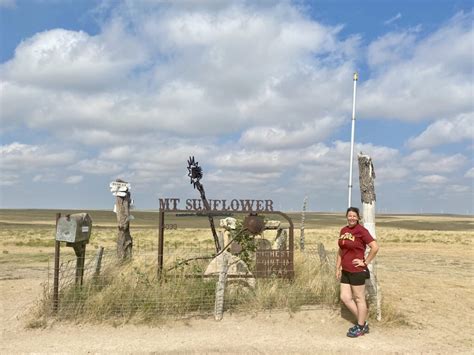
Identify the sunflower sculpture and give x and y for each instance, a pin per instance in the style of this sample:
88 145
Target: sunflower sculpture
194 171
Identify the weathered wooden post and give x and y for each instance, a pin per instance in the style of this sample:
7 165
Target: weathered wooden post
367 194
57 251
98 261
223 267
303 213
121 189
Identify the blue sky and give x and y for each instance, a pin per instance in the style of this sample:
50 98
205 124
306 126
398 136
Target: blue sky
259 92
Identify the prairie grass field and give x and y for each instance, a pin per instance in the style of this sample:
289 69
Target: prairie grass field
424 267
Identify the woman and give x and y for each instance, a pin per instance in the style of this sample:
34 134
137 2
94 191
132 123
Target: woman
351 269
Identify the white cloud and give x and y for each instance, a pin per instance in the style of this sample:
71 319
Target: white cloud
469 173
70 60
18 156
97 167
427 162
416 78
74 179
9 179
445 131
433 179
458 189
391 48
45 177
398 16
237 179
257 92
186 80
274 137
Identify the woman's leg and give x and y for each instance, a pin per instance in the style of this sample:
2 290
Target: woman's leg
346 298
358 293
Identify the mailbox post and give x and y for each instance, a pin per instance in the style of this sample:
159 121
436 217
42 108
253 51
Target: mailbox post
75 230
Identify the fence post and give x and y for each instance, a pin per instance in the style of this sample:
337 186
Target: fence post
57 251
98 260
303 212
223 266
367 194
323 257
161 233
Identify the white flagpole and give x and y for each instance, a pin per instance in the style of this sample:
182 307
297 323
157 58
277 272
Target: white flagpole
355 77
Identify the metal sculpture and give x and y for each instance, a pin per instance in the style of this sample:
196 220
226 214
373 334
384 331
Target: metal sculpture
195 174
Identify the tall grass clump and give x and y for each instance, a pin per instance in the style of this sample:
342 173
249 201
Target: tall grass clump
133 292
313 284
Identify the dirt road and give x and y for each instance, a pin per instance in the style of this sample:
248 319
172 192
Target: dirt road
432 287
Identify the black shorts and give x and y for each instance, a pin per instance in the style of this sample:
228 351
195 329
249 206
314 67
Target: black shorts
353 278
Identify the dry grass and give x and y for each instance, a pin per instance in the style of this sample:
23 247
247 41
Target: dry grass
132 293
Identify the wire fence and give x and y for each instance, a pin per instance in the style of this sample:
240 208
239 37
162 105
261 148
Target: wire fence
136 289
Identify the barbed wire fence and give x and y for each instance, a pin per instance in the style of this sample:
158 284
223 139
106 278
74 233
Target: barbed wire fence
135 289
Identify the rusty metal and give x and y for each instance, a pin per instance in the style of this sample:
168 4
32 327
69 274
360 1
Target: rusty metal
281 262
277 263
195 174
254 224
273 263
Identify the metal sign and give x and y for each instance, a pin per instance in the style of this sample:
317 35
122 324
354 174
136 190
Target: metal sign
274 263
234 205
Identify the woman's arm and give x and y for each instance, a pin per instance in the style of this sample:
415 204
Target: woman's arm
374 248
338 264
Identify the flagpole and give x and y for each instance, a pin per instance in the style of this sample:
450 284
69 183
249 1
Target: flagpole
349 202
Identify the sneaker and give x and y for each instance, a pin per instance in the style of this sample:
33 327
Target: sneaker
355 332
353 328
366 328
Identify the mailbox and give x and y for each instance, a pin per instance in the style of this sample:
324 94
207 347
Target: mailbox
74 228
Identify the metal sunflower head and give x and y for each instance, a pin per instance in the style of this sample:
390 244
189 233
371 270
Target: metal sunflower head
194 171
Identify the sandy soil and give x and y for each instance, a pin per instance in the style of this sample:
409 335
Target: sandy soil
432 287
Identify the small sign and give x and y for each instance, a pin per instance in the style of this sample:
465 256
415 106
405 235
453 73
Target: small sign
274 263
116 186
85 229
119 184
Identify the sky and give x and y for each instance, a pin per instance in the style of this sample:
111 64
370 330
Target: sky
259 92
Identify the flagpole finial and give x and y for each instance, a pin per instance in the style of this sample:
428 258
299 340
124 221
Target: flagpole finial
356 76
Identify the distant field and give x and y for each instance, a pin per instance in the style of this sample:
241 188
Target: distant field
424 266
313 220
28 235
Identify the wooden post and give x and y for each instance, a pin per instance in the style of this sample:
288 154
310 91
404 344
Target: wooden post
161 238
57 251
223 266
303 212
122 209
98 261
80 251
323 257
367 194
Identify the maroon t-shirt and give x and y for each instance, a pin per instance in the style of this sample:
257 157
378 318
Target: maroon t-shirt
353 241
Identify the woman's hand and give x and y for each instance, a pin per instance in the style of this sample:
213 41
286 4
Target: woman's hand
359 263
338 273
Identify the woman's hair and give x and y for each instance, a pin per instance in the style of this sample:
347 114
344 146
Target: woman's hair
353 209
